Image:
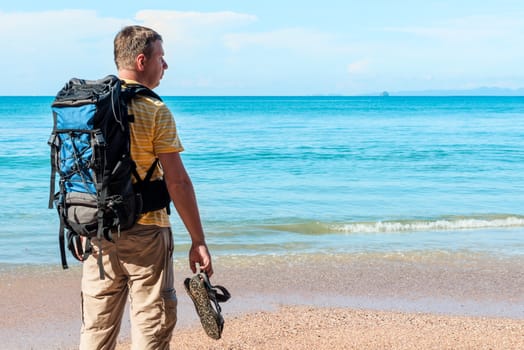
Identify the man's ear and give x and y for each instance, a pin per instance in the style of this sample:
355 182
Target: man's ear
140 62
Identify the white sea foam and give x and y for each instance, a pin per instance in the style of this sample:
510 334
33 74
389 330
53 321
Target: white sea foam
429 225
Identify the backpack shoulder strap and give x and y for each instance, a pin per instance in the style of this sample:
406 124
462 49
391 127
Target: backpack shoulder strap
131 90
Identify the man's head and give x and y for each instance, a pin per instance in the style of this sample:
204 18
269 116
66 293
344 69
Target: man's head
139 55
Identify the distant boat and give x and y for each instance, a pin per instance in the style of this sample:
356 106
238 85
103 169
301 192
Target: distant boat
384 93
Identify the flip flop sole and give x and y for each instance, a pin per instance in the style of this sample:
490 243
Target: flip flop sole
211 321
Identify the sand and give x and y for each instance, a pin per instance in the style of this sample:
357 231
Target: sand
327 328
436 301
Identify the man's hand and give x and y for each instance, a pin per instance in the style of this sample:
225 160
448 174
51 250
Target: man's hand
200 254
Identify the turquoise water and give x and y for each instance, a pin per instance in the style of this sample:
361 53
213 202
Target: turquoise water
280 175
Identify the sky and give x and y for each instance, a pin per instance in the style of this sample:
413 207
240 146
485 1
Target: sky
270 47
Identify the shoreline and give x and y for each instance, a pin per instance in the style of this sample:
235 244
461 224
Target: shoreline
41 304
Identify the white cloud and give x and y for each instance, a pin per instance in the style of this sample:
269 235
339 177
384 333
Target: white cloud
192 28
49 47
195 19
66 27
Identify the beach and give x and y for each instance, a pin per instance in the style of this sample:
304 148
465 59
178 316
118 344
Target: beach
335 222
327 328
371 301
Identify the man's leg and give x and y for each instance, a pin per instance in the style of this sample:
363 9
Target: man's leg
103 301
152 293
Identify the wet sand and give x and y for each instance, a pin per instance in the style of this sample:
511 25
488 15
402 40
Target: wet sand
436 301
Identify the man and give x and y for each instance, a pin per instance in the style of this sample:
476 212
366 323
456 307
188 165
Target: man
139 262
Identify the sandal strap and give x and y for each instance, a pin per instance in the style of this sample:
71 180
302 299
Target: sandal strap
224 296
216 293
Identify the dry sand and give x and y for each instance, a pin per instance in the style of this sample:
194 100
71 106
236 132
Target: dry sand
327 328
437 301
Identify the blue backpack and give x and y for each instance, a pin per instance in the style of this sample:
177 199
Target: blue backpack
90 152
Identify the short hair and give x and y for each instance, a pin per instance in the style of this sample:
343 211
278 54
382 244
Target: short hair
132 41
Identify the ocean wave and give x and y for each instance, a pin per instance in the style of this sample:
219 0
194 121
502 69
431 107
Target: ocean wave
463 223
395 226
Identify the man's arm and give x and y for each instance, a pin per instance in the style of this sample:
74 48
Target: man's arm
183 195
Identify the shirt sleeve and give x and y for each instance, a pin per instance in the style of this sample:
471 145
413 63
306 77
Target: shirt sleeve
166 138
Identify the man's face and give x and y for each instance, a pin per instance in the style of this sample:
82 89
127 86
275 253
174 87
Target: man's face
154 66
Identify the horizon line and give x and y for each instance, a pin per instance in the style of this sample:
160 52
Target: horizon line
324 95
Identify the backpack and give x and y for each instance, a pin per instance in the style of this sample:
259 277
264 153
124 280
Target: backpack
90 152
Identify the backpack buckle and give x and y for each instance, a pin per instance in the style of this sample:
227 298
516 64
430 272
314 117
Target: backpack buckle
99 139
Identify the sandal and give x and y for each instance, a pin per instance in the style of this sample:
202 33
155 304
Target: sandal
206 299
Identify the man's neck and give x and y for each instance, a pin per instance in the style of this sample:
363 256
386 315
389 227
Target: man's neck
128 74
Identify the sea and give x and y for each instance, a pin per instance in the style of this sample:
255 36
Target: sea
288 176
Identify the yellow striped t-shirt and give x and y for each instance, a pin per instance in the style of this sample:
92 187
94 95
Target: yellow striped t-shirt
152 132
